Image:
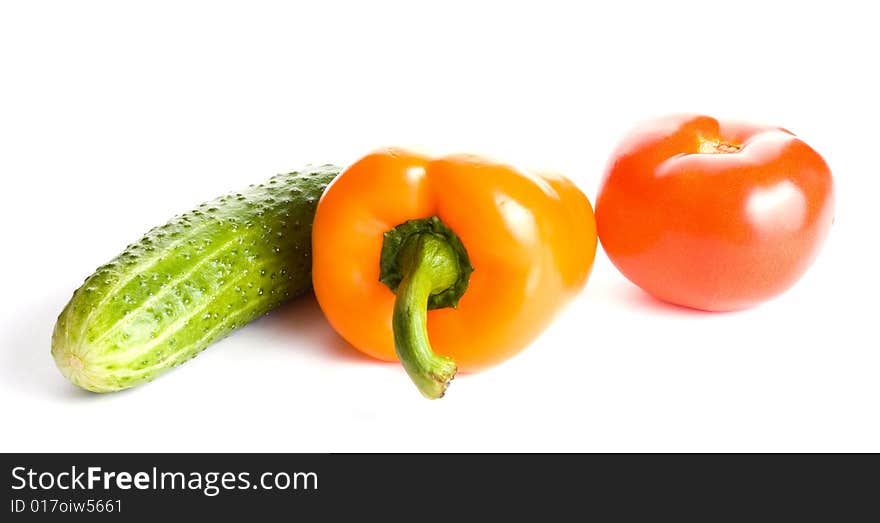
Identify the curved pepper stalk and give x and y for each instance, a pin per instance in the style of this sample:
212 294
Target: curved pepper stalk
424 262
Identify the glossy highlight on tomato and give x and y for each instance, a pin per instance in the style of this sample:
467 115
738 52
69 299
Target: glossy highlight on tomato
714 215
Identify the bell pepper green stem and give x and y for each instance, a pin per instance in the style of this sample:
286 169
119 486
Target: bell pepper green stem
429 266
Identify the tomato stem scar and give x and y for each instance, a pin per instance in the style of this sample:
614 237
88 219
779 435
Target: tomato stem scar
718 147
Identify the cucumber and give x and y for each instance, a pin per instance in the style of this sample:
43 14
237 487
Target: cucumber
190 282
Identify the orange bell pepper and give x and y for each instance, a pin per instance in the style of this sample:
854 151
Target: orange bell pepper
479 254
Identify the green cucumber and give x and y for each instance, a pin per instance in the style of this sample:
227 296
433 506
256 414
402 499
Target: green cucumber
190 282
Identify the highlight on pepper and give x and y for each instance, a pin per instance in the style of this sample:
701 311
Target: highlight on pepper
447 263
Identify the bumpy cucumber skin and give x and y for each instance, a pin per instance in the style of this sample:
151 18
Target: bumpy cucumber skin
190 282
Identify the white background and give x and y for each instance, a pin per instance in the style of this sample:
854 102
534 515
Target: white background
115 116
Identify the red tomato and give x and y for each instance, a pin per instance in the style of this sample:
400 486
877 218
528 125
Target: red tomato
714 215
